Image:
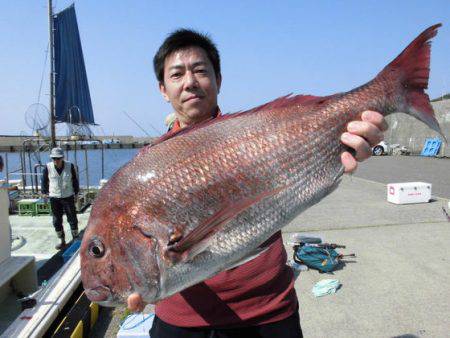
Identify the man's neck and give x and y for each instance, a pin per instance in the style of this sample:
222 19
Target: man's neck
187 123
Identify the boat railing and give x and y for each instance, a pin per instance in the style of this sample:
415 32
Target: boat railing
30 174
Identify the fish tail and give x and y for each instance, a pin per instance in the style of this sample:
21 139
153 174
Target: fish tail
409 73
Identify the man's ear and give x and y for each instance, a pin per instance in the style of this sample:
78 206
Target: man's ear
218 82
162 89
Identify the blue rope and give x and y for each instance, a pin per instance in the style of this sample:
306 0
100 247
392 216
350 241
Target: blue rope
122 325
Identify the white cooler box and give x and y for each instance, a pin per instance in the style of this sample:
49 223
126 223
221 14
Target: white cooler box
409 192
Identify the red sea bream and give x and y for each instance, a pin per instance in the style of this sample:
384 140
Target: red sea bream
206 199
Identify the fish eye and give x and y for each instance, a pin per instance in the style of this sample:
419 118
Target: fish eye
96 249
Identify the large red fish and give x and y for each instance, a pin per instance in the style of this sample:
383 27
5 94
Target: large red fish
205 199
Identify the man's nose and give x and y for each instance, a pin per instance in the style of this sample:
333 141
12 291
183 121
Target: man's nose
190 81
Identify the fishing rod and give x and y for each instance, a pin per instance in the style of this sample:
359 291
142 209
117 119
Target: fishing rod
134 121
320 245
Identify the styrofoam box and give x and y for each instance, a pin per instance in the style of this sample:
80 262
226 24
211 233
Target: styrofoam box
409 192
136 325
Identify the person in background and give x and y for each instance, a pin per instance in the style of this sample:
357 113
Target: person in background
60 183
170 120
257 298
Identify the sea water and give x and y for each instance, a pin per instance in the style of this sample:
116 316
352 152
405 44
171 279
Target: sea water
114 159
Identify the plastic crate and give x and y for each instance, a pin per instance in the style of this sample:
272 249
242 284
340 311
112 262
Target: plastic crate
27 207
43 208
431 147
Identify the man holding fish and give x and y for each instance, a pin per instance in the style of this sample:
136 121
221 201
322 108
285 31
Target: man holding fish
256 298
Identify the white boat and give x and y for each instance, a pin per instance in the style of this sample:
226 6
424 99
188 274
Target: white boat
38 284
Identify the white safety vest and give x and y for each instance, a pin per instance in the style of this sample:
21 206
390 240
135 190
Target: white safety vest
60 186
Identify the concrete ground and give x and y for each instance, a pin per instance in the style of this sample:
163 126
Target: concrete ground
393 169
397 286
37 235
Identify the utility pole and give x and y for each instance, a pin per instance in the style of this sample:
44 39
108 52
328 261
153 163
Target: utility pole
52 75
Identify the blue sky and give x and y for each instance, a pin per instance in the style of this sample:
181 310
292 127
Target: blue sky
268 49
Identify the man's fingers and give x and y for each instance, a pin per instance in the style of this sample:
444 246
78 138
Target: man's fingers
366 130
349 162
362 148
135 303
375 118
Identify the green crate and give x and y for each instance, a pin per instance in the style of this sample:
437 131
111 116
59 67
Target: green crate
43 208
27 207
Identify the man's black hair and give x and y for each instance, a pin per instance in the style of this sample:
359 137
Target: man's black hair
182 39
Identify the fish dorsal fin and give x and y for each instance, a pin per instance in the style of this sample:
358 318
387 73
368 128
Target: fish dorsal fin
289 100
278 103
198 239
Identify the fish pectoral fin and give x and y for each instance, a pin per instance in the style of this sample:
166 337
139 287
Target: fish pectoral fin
249 257
198 239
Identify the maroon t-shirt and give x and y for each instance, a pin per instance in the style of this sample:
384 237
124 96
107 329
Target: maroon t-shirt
258 292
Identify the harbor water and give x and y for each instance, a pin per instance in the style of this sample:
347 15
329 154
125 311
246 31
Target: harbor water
89 174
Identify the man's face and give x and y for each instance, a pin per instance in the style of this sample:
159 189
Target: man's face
58 162
190 85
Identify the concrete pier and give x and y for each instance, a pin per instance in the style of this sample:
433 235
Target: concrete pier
397 284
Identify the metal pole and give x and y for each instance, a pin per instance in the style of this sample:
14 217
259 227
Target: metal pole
7 169
39 165
103 162
87 168
22 164
29 163
52 75
75 153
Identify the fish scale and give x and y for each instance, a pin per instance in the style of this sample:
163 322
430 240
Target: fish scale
205 199
248 229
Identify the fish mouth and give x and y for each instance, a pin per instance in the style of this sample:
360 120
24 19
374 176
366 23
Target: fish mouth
99 294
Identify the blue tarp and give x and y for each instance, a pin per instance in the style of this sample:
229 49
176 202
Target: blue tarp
73 101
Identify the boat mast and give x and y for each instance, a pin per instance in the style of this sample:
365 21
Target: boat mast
52 75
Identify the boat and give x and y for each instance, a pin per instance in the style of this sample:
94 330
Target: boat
39 286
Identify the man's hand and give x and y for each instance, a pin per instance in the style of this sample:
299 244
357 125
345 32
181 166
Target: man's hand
362 136
135 302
